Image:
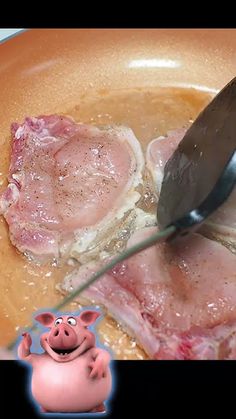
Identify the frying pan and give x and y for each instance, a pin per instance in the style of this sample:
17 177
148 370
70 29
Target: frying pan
47 71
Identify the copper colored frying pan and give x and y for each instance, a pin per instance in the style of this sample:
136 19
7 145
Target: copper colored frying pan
53 71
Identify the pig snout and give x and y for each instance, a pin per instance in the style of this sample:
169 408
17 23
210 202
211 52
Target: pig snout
62 337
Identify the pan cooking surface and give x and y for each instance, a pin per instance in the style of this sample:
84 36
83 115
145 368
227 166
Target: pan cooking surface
99 77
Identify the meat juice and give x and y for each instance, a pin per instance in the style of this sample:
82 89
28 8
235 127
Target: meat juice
26 287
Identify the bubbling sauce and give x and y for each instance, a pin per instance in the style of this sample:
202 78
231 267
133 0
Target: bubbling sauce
26 287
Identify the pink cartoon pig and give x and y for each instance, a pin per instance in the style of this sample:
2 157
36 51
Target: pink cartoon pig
72 375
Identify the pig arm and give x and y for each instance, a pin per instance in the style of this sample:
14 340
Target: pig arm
24 348
99 365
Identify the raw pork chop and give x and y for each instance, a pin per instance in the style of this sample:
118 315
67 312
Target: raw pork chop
222 224
68 183
179 301
6 355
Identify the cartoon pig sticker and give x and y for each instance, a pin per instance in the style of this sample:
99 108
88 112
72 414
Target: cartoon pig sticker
72 375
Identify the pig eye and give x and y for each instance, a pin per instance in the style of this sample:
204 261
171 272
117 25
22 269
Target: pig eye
71 321
58 321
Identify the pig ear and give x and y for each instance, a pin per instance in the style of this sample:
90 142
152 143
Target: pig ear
47 319
88 317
